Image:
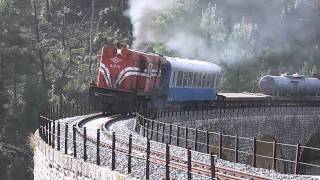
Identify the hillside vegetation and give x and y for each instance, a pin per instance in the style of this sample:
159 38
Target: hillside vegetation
44 50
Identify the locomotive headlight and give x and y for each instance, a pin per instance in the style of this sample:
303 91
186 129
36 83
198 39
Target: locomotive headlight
118 51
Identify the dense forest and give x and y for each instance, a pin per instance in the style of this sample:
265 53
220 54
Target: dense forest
45 50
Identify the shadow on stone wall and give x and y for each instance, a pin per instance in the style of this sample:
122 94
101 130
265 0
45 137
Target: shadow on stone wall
310 155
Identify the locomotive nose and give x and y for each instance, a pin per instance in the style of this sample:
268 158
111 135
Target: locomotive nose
266 85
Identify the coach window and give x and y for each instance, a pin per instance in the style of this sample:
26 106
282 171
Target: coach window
173 79
185 79
217 83
208 80
179 79
199 80
190 77
194 80
214 80
203 79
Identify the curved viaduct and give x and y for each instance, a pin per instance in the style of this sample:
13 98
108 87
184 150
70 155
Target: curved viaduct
287 125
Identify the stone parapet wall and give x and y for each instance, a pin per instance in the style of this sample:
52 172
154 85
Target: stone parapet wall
51 164
289 125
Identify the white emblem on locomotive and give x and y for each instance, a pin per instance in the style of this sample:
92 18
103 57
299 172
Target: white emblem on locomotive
115 60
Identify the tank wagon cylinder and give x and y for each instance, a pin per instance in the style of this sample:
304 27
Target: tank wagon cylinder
290 85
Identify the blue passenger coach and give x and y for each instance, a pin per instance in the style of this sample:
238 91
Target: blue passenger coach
191 80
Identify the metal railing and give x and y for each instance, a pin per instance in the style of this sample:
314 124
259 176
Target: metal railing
151 124
114 149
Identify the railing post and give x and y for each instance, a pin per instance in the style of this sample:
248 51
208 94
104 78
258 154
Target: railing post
170 133
157 135
50 133
189 163
143 126
213 168
53 134
297 159
167 161
254 149
147 128
58 136
51 112
236 149
186 137
274 156
74 140
220 145
45 130
129 154
85 144
66 139
98 147
40 126
163 130
207 141
147 160
178 135
152 124
195 139
113 153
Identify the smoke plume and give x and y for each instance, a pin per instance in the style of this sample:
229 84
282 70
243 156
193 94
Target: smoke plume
141 13
224 31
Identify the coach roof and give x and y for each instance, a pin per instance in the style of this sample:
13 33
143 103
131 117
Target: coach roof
187 65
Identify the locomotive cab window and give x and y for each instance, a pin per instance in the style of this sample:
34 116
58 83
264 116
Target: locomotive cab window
142 65
159 67
149 71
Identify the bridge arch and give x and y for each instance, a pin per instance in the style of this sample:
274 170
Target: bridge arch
311 156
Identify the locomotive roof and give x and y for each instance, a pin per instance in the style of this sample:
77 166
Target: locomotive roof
188 65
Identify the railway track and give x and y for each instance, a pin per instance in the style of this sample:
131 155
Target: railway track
157 156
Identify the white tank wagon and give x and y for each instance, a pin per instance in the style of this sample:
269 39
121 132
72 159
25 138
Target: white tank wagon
294 85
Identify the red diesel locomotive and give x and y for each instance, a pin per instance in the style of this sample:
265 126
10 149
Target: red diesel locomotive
129 80
126 79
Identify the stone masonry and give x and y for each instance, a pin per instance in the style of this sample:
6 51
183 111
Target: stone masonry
51 164
286 125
